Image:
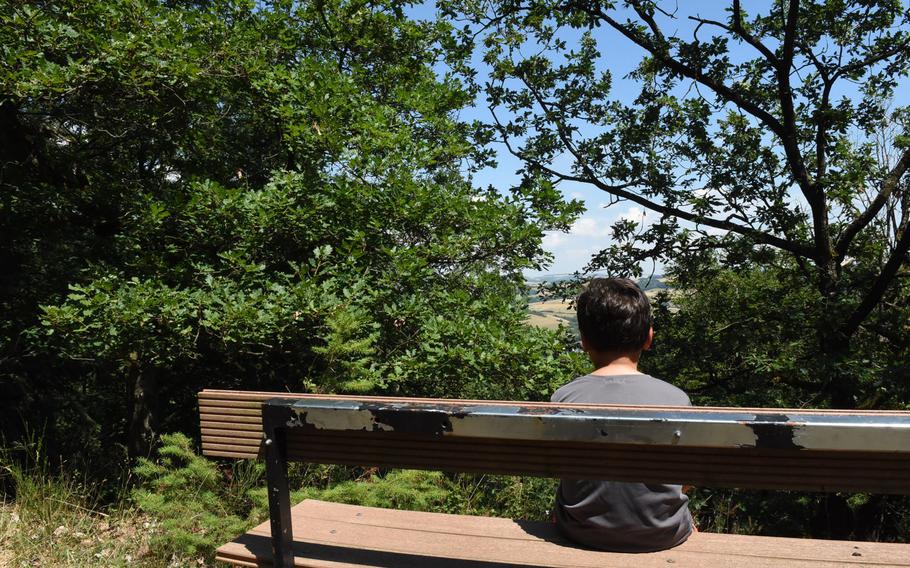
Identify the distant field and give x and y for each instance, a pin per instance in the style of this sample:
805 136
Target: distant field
551 314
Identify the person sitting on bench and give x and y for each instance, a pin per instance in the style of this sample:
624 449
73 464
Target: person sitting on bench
614 320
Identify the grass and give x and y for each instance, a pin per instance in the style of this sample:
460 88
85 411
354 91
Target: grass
173 516
72 537
51 518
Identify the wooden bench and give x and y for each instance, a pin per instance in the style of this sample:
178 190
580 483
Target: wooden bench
812 450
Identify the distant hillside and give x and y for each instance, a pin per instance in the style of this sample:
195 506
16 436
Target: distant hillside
657 281
549 278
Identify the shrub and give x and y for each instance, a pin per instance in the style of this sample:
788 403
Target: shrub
196 510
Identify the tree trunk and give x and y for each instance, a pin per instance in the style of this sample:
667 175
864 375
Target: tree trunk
144 412
840 386
836 514
834 518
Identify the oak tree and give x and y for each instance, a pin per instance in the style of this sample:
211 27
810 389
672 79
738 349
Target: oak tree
753 140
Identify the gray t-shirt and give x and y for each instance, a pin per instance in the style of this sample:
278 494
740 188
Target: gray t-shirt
613 515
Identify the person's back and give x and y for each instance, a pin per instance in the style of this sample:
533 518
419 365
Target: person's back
615 324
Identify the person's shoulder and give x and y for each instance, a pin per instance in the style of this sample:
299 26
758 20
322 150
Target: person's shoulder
567 390
673 395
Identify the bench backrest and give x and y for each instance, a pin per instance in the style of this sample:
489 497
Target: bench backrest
812 450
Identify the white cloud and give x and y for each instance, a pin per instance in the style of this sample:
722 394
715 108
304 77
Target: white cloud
713 230
638 215
589 227
552 240
590 234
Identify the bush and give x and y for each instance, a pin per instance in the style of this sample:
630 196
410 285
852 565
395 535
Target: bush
515 497
400 489
196 510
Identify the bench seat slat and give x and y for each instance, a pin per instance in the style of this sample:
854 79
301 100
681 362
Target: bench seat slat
336 536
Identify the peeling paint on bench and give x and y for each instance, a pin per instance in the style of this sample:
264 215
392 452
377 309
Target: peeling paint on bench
682 427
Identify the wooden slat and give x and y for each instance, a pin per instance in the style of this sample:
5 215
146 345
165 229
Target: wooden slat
227 454
515 530
336 536
369 447
804 480
231 447
207 417
873 470
252 410
235 434
230 403
617 467
233 440
575 450
233 426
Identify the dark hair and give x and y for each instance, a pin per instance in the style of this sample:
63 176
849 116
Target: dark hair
614 315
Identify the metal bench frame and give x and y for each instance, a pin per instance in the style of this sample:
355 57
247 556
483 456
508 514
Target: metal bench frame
825 444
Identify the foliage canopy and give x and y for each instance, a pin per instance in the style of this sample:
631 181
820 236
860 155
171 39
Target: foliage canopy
767 141
266 196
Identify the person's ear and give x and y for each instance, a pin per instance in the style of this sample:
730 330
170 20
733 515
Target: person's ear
584 343
650 340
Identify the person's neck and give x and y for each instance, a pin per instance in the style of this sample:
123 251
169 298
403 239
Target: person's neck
606 364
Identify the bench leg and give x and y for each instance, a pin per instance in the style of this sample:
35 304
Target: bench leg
276 468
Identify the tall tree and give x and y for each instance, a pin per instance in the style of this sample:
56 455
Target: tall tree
270 195
753 138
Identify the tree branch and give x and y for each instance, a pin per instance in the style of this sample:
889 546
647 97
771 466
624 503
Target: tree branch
740 30
622 191
785 131
889 184
814 194
661 53
880 286
537 163
821 132
872 59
